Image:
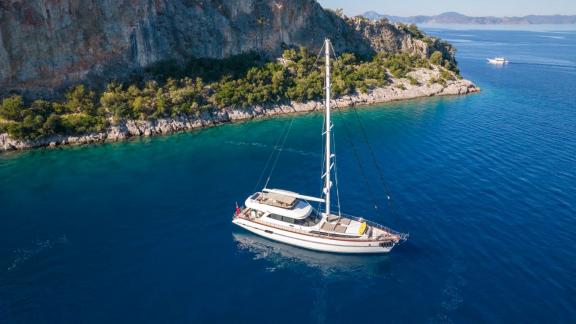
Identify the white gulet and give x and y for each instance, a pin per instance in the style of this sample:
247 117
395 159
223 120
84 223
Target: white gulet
289 217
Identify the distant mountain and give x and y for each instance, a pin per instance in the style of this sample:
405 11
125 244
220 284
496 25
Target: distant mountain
458 18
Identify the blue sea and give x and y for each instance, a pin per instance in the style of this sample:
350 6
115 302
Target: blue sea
484 184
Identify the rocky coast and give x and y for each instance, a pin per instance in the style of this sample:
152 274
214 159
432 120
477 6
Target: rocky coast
399 89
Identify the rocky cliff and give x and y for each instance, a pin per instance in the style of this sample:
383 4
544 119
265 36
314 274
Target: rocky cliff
46 45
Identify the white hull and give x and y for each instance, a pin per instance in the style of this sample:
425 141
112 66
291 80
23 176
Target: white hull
313 242
498 61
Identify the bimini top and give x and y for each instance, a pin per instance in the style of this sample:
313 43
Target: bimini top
277 200
279 204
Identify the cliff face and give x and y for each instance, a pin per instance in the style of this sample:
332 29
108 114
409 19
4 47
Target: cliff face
384 36
49 44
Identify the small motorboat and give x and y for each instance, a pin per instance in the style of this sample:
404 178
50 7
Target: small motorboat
498 60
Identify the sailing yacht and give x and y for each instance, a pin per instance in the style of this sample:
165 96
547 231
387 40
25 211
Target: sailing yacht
289 217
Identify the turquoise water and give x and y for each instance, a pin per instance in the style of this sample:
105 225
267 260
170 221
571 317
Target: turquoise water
485 185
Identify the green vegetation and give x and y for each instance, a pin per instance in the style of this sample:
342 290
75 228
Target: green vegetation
436 58
412 80
75 116
413 30
186 89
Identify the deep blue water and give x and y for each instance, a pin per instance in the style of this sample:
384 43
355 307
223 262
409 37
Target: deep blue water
485 184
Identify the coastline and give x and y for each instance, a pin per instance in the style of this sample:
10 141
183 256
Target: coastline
399 89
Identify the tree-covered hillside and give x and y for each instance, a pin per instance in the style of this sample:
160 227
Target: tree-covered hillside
239 81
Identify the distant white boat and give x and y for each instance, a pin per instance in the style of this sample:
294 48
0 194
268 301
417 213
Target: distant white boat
498 60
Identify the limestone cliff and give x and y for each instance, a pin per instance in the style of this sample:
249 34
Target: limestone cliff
50 44
385 36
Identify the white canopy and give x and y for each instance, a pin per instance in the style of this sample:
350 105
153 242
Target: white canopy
299 209
293 194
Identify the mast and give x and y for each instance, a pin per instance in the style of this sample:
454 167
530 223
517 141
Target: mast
327 183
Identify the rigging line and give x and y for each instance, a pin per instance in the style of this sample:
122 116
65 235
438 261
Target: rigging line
279 149
333 51
319 53
357 155
336 176
362 171
373 156
270 157
375 161
322 161
279 152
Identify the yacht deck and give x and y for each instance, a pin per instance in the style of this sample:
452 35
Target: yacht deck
335 227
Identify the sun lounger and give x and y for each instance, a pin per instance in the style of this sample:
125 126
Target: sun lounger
328 227
340 229
344 221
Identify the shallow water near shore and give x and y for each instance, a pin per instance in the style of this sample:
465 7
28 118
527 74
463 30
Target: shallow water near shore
485 185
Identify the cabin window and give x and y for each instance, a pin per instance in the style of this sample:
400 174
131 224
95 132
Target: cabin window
288 220
283 219
311 220
276 217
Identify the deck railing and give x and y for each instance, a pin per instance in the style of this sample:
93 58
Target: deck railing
402 236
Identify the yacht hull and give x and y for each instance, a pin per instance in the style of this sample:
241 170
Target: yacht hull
312 242
497 62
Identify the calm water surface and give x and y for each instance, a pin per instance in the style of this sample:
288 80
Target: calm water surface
485 185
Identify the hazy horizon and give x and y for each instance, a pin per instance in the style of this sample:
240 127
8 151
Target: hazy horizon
505 8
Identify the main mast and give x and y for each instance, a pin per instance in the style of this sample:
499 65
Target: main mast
328 126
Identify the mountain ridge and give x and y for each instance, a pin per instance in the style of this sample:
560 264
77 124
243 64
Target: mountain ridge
458 18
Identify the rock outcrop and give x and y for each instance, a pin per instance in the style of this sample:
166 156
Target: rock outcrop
46 45
400 89
387 37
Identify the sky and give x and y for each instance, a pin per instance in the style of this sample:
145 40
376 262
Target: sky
470 8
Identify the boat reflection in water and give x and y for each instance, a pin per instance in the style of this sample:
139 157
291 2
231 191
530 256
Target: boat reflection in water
283 256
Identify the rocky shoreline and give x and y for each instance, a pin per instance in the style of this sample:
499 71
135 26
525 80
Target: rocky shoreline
400 89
